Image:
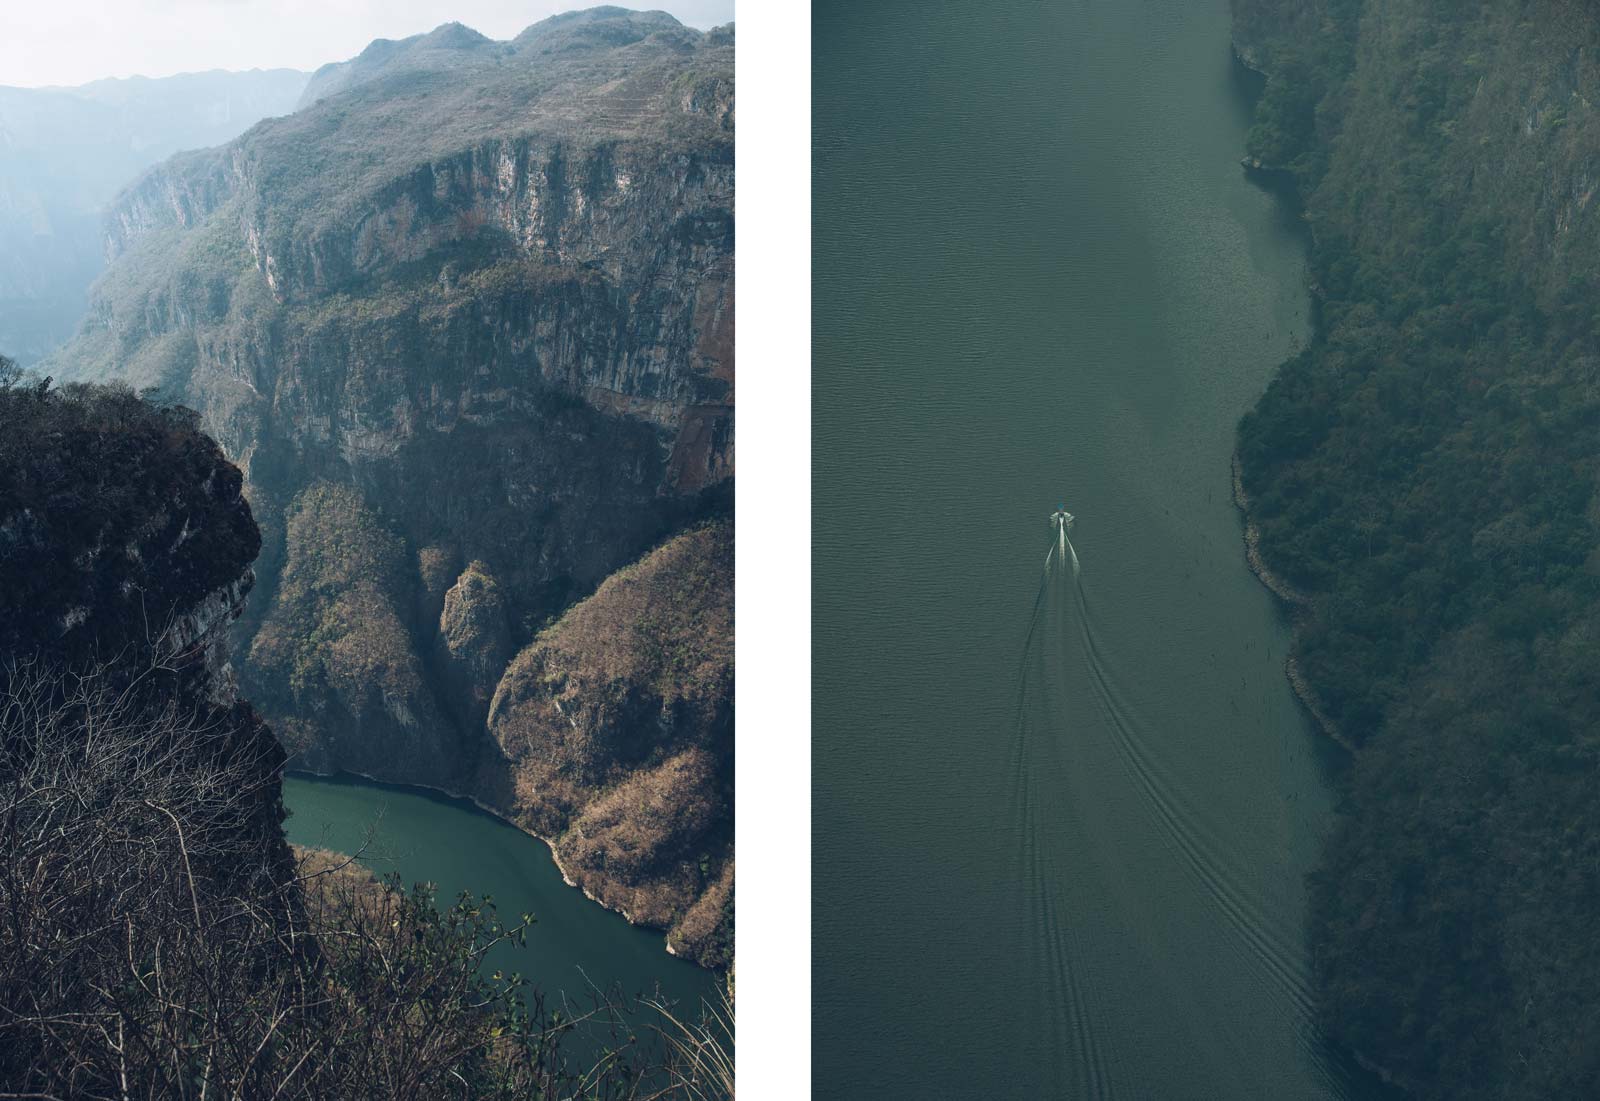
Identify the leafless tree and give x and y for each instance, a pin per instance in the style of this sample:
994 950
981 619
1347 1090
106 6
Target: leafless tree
157 942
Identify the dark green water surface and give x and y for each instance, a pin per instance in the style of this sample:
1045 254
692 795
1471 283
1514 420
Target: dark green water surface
1061 824
449 842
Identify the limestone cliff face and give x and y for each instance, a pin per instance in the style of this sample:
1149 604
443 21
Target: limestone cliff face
465 321
602 268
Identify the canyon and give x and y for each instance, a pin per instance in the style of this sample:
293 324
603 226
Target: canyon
465 322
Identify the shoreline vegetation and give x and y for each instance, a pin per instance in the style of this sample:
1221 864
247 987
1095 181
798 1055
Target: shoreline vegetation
1425 470
1294 602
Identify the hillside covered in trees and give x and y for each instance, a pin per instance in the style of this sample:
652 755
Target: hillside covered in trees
1426 470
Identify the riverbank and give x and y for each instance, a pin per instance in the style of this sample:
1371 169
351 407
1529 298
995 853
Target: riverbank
1295 601
555 856
573 951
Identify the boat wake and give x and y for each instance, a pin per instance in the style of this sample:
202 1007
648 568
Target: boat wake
1093 792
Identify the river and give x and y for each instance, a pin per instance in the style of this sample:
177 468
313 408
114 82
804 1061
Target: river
1061 820
427 837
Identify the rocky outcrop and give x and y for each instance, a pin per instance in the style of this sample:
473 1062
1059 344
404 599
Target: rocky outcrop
119 524
125 555
476 634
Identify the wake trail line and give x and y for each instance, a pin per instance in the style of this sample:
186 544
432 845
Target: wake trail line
1182 825
1084 1065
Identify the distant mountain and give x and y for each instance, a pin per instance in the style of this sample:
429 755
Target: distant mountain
454 46
443 48
65 153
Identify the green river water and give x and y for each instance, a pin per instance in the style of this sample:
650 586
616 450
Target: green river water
1061 821
575 947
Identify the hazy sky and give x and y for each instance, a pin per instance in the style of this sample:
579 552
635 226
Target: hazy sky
76 41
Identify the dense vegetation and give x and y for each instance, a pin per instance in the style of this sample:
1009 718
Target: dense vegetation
334 631
1426 471
158 938
114 514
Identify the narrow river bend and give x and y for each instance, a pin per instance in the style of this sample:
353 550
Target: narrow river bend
575 947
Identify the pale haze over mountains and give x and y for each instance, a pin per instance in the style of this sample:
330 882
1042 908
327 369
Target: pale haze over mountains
75 41
76 127
66 152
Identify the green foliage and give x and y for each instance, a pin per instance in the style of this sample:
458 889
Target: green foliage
334 631
1286 116
1298 105
1426 469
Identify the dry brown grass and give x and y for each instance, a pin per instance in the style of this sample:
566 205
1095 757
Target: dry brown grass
617 722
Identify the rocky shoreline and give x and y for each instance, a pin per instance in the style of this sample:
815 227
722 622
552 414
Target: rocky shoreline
1294 599
555 856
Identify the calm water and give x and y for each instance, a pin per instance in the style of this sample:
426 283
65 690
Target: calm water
1061 823
449 842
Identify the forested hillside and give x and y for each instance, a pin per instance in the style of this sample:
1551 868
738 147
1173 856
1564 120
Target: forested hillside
1426 471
